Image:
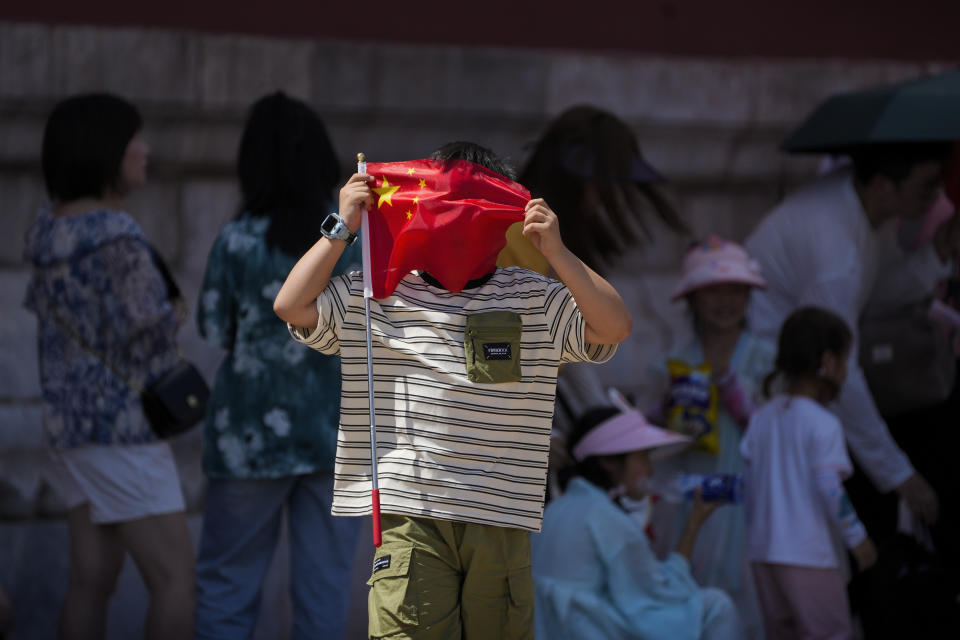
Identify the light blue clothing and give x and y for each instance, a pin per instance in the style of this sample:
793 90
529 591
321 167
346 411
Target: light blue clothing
94 272
241 526
719 554
275 405
596 577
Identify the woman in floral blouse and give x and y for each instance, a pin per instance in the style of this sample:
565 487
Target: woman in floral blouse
271 429
100 298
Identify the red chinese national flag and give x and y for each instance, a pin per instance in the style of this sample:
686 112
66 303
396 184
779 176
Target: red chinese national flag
446 218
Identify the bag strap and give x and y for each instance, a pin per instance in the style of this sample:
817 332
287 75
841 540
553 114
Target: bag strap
96 354
173 290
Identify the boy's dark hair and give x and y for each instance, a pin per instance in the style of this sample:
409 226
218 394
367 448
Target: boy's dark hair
84 141
287 169
473 152
590 468
806 335
895 161
586 146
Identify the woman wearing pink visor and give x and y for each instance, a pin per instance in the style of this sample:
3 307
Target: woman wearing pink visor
595 573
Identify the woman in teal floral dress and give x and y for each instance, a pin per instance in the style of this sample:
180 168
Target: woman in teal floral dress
271 429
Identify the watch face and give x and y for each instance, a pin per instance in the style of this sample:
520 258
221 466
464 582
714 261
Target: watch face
329 224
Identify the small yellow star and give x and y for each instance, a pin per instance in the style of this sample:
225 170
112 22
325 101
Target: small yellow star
410 171
409 215
423 183
385 191
416 199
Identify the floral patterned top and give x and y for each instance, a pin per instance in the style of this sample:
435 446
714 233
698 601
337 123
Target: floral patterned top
94 273
275 404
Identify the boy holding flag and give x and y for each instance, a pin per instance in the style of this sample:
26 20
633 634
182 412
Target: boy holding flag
465 360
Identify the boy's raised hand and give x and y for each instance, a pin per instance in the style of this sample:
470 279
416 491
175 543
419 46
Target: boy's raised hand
355 196
541 227
607 318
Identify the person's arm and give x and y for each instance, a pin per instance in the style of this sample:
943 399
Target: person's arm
841 513
217 308
735 398
137 301
605 315
830 466
296 301
699 513
838 507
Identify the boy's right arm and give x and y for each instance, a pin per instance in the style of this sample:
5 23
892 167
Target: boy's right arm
296 301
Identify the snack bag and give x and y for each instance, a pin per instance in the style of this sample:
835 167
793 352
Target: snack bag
692 404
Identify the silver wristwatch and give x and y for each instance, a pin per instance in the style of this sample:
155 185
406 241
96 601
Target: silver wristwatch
335 228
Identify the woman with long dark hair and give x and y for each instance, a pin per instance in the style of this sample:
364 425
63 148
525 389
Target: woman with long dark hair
271 427
107 324
589 166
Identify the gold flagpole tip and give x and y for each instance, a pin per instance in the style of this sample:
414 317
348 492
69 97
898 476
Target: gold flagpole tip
361 157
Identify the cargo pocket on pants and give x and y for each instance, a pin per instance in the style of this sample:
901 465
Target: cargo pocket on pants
520 607
392 605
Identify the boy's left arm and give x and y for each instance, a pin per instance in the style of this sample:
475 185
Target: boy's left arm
605 315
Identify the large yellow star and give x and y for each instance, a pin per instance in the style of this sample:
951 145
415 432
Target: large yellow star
385 191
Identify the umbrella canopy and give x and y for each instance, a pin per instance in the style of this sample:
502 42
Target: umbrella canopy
925 110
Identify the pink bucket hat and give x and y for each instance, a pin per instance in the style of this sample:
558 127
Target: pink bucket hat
717 261
625 432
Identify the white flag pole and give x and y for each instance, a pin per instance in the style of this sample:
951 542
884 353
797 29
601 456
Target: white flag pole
367 294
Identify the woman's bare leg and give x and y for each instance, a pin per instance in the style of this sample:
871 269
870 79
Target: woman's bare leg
96 557
163 552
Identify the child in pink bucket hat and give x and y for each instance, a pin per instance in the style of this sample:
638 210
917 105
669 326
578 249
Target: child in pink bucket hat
595 572
716 261
727 365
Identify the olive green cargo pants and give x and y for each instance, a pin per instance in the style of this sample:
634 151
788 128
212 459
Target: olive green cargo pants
450 580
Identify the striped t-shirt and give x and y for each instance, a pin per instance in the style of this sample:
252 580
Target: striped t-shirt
447 448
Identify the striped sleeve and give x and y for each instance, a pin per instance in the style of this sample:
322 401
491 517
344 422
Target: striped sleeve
567 328
332 307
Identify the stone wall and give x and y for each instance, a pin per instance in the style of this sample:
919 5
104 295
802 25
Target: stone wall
711 125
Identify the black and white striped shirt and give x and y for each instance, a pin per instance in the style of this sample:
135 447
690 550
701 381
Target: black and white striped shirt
448 448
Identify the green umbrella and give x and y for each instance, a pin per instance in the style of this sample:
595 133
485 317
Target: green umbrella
925 110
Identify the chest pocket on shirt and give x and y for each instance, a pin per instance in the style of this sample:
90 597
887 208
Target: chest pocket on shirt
492 346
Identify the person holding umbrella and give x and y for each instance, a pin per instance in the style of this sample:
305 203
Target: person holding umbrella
832 245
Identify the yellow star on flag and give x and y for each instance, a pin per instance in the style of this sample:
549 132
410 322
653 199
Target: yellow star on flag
423 183
410 171
416 199
385 191
409 215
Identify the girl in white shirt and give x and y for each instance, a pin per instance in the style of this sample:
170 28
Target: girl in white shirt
795 461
